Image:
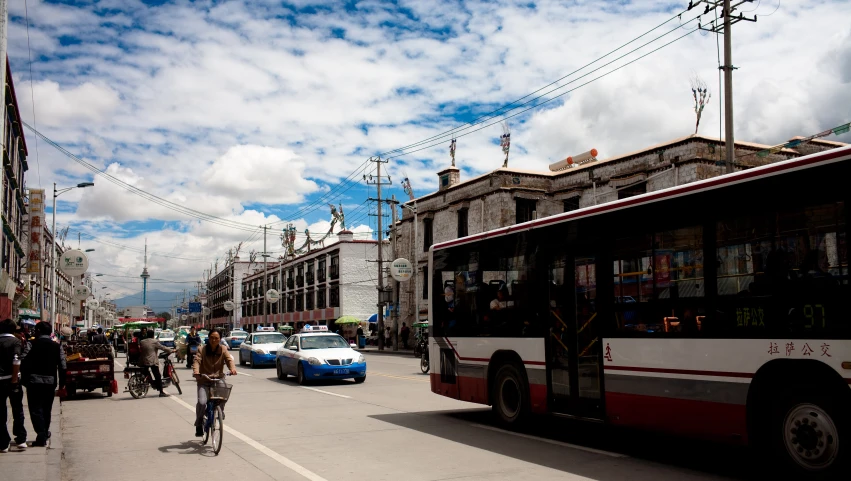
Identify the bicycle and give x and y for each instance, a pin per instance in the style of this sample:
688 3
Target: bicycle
217 394
139 381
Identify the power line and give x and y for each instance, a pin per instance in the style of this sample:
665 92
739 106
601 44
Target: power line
32 88
573 89
492 114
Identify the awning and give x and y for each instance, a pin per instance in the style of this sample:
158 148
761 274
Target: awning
373 318
29 314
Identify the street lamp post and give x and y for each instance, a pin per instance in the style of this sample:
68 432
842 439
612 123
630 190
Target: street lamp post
57 193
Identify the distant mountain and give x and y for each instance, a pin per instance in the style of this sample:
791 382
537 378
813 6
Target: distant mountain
157 300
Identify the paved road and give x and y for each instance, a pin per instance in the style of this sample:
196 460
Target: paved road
389 428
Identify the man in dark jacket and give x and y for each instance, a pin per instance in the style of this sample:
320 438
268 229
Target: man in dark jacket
42 370
99 337
10 387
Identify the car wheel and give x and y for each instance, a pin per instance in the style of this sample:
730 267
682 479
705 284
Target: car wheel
281 374
300 377
510 394
241 360
359 380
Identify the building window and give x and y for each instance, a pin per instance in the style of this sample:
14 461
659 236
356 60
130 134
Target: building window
310 298
335 267
425 283
321 271
320 299
299 302
571 204
462 222
632 190
299 279
428 234
334 296
310 274
525 210
291 303
290 282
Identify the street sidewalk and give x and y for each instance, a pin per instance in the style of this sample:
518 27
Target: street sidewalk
35 464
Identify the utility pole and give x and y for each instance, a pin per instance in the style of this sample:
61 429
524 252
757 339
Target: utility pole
379 181
726 28
397 284
265 282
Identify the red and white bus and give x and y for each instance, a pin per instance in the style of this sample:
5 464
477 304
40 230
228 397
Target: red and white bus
717 309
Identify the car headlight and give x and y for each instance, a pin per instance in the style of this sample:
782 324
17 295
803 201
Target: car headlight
259 351
314 361
361 358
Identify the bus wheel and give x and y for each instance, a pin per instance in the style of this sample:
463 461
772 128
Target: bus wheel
510 395
808 436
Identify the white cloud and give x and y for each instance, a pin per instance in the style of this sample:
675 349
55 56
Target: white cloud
244 173
87 103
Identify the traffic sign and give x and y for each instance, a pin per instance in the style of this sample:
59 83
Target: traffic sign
194 307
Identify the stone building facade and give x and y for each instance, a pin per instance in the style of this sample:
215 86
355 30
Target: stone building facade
317 287
508 196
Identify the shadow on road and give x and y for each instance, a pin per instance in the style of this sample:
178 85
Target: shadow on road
466 427
188 447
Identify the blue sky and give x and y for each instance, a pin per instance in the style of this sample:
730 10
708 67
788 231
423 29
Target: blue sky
255 111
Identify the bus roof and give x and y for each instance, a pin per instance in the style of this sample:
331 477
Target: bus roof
805 162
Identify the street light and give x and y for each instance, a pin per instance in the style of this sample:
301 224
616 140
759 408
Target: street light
57 193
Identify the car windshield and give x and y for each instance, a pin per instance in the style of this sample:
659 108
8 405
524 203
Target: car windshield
271 338
167 334
239 334
323 342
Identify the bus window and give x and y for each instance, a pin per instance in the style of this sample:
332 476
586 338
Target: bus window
784 272
633 282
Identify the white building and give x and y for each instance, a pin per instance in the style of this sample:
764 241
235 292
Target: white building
226 285
318 287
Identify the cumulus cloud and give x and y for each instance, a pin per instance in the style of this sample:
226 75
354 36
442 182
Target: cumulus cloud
89 102
254 173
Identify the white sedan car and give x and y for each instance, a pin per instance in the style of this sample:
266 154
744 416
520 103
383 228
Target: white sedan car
311 356
260 348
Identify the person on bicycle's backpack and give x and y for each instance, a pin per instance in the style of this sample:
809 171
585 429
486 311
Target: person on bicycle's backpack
148 359
211 360
42 370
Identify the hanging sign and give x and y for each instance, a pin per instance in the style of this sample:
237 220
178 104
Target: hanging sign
273 296
81 293
92 303
74 263
229 306
206 311
401 269
184 317
101 310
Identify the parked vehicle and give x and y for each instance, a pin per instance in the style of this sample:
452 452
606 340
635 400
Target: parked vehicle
89 367
166 338
139 381
261 348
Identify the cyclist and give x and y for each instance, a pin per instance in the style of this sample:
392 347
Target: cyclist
210 360
148 359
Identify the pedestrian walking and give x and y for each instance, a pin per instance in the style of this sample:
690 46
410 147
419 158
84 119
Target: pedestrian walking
406 333
41 371
11 352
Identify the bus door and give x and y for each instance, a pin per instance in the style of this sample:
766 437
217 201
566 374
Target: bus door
574 361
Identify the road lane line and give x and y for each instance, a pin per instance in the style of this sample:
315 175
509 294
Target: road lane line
325 392
551 441
243 373
283 460
119 364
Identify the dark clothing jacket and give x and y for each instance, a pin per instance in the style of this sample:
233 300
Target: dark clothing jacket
9 346
99 339
42 363
193 340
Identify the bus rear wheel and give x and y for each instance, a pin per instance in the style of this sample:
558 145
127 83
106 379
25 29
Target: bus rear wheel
510 395
806 427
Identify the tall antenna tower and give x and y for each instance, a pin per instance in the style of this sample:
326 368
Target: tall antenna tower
145 276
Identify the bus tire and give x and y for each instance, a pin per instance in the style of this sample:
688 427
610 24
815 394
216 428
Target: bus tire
805 426
510 395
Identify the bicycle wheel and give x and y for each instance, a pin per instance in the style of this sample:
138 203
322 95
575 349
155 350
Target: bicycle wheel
218 430
176 381
207 424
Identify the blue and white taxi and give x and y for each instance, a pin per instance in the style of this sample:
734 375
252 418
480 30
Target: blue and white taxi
261 347
314 354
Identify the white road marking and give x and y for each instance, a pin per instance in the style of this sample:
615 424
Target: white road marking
119 364
243 373
550 441
325 392
283 460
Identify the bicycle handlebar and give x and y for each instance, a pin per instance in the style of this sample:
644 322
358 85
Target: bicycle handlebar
213 378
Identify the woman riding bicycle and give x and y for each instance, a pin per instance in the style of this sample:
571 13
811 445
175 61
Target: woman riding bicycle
210 360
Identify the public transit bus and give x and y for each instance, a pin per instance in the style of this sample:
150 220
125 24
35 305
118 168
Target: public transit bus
717 309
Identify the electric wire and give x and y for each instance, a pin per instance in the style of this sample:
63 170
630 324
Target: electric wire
32 88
